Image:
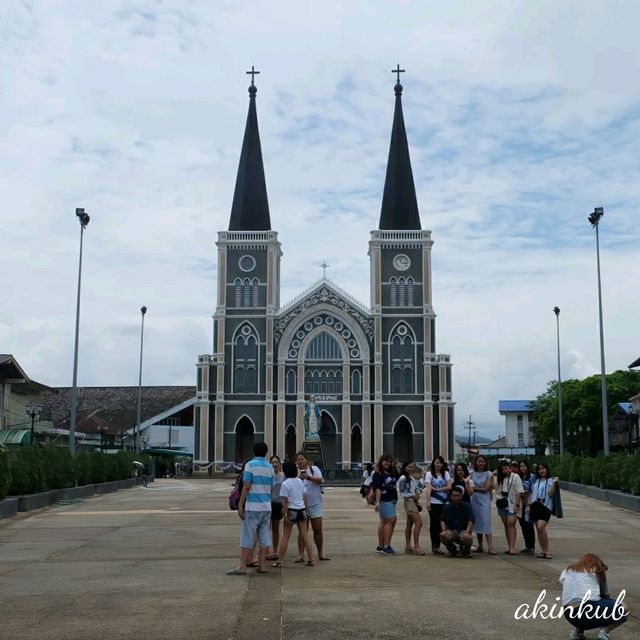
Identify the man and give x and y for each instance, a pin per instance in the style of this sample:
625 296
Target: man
456 524
312 478
254 509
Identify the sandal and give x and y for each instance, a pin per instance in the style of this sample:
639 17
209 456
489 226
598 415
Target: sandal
278 564
310 563
324 559
477 550
252 565
273 556
492 552
236 572
408 550
546 556
299 559
419 552
437 552
261 571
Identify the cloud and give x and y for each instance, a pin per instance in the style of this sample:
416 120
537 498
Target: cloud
521 118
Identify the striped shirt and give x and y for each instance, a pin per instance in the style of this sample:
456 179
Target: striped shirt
259 473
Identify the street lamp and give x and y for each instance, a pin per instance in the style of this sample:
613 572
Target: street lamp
594 218
556 310
33 411
143 311
84 221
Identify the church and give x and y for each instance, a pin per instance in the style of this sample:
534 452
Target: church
379 383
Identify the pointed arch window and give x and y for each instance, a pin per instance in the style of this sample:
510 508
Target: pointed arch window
238 292
291 381
393 285
356 383
402 360
324 347
245 360
255 292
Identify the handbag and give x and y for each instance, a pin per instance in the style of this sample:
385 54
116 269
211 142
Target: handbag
503 503
538 510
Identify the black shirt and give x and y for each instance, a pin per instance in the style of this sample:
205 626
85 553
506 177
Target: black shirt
463 487
457 517
387 485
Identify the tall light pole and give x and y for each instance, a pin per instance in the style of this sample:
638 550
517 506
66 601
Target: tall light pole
143 311
556 310
594 218
84 221
33 411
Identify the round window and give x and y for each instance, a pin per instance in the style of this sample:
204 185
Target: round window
247 263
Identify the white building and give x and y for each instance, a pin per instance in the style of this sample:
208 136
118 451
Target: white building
519 424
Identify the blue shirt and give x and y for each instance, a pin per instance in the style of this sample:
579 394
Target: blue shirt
457 517
259 473
540 491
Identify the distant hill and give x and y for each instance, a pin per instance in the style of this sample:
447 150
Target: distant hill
463 437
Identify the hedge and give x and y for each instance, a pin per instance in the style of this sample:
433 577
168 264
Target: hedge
29 469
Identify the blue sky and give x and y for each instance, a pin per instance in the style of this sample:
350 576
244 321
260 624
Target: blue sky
521 116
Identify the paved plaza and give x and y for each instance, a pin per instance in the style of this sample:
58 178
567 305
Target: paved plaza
150 563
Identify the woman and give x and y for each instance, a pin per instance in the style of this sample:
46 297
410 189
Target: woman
437 483
367 476
409 490
276 505
462 480
587 580
386 496
540 506
509 491
482 480
526 526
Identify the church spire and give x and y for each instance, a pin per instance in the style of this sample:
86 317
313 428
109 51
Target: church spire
250 208
399 203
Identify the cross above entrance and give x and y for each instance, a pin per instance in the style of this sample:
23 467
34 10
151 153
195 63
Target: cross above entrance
397 71
324 266
252 73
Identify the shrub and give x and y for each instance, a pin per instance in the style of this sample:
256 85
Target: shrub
5 473
586 471
60 469
83 467
612 472
575 471
564 467
635 484
111 468
97 468
598 470
27 472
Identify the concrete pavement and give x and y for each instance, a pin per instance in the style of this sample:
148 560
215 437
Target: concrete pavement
150 563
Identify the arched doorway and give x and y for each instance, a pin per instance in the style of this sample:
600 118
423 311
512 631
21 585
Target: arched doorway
403 439
329 436
245 434
290 443
356 444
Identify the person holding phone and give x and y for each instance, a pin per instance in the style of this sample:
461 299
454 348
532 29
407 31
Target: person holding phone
540 507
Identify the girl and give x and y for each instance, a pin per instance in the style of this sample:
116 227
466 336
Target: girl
367 476
462 480
482 480
409 490
386 496
294 506
276 505
526 526
438 485
509 491
587 580
540 506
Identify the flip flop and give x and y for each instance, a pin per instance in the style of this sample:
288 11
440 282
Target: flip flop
272 556
252 565
422 552
492 553
277 564
299 559
236 572
324 559
546 556
408 550
310 563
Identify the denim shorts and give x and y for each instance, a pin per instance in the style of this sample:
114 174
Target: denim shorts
256 524
315 511
387 510
605 612
505 513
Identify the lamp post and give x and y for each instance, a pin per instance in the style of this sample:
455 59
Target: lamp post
84 221
594 218
143 311
556 310
33 411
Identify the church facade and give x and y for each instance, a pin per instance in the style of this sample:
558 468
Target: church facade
377 378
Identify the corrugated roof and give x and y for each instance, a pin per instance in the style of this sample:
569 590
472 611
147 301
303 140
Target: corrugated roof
512 406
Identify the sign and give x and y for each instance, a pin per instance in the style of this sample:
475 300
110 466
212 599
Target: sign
314 451
328 398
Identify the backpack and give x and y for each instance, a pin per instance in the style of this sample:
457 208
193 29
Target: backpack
234 496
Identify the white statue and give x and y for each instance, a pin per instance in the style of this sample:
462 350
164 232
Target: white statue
311 416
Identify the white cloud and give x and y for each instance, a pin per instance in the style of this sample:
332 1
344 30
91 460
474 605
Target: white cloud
522 116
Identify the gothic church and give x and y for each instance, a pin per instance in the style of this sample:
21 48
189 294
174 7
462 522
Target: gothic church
375 372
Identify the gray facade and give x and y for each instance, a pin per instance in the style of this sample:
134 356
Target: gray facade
374 370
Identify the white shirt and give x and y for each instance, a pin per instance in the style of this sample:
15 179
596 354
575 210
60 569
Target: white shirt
367 478
293 489
314 492
437 483
575 585
513 484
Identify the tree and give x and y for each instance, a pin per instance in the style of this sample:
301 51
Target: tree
582 409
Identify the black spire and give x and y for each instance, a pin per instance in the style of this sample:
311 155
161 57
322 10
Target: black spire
250 208
399 203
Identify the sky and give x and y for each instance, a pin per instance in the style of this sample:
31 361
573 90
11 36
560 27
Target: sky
521 118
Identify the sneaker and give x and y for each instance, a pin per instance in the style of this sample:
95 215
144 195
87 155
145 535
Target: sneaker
379 549
577 634
603 635
388 551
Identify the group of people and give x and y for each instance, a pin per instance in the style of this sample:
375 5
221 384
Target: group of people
458 498
272 493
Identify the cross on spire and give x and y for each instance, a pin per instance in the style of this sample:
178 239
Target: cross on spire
397 71
324 266
252 73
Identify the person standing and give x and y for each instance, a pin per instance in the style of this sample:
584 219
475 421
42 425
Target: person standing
509 490
526 526
313 480
437 483
367 477
409 490
462 480
276 505
457 524
386 497
254 509
540 508
482 479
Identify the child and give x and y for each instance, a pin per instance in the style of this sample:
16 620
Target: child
294 506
